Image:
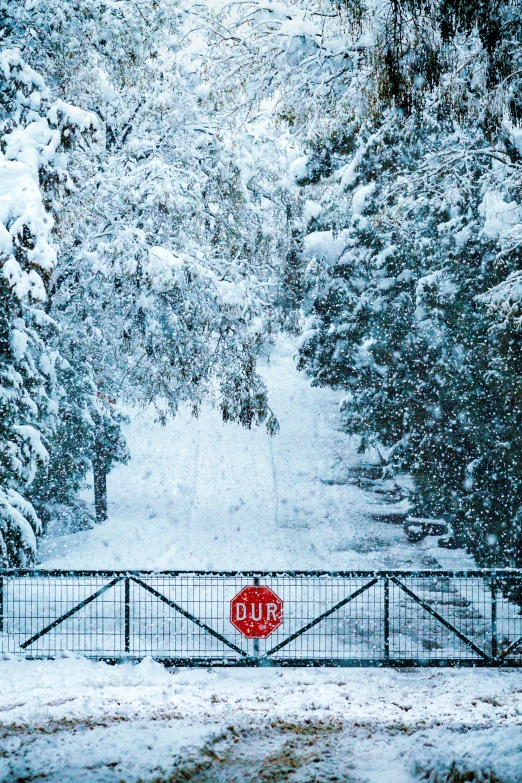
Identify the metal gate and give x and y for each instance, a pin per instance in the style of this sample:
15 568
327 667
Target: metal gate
355 618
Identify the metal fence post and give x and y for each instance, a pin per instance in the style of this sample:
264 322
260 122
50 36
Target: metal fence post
386 618
256 641
494 641
127 614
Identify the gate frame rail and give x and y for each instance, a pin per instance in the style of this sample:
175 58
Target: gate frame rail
491 576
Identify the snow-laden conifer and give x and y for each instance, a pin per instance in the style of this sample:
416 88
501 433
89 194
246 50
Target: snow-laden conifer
34 136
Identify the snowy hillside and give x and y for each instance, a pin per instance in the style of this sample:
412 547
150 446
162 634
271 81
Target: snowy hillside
198 493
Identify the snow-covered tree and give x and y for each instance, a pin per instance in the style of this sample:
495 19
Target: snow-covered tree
168 242
170 258
35 134
425 206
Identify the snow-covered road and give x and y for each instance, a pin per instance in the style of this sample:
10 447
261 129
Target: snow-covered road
199 493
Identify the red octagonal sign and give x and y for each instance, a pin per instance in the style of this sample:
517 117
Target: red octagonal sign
256 611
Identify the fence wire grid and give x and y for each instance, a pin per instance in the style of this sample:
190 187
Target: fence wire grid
392 618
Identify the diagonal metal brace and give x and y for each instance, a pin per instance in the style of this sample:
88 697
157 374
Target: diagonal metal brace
442 620
189 616
321 617
68 614
512 647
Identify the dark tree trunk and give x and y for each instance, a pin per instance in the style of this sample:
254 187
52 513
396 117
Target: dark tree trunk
100 484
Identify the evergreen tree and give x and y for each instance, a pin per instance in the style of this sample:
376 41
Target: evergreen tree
34 136
430 212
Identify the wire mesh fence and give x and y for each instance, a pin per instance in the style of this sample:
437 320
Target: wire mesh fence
325 618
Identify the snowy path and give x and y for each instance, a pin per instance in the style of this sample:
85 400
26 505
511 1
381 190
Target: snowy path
203 494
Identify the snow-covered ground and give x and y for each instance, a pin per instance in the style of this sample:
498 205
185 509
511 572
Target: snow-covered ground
76 721
199 493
